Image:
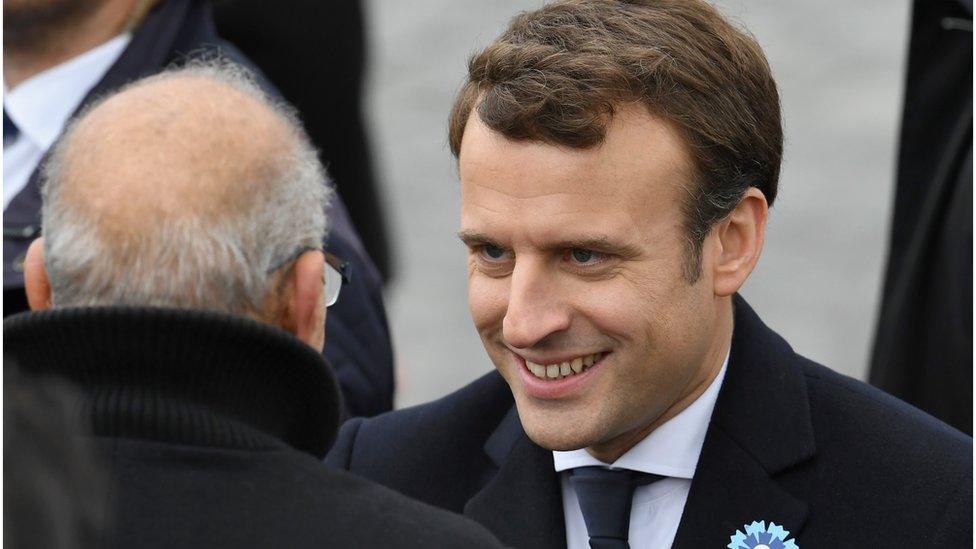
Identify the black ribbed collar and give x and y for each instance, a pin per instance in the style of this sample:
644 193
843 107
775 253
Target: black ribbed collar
189 377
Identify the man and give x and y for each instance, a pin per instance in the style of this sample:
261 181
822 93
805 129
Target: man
60 55
183 219
617 160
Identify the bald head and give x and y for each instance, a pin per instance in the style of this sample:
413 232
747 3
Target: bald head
185 189
185 147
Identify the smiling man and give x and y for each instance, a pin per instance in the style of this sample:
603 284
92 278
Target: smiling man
579 282
617 161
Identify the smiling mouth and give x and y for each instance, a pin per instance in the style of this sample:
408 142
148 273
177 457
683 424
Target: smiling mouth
555 372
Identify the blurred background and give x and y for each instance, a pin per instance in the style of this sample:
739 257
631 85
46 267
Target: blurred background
840 69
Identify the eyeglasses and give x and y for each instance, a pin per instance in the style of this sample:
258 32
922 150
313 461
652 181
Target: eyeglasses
337 272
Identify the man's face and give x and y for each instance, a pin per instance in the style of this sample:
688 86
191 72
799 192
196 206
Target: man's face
44 11
575 266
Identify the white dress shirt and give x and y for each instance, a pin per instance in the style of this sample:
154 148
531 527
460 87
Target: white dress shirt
41 106
672 451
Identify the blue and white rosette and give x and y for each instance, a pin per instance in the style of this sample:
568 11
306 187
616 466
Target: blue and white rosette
758 536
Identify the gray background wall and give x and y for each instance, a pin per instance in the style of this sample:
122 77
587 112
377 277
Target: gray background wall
839 66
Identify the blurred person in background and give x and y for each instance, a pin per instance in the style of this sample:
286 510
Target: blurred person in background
60 55
923 347
279 38
181 284
55 490
617 160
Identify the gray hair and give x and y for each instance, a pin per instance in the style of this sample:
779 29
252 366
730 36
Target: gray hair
224 262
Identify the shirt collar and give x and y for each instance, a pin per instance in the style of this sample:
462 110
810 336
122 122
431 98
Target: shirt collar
671 450
42 104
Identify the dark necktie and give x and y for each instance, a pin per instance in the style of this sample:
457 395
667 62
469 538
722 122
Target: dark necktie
605 497
10 130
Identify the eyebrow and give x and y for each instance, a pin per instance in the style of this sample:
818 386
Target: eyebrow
474 238
601 244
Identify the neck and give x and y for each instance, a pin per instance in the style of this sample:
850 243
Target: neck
35 42
611 450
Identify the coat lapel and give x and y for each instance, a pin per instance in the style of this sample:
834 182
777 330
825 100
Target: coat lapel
522 503
731 491
759 434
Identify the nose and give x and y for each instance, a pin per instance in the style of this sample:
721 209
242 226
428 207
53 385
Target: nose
536 308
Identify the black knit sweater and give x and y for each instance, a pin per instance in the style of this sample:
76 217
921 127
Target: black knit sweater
212 428
190 377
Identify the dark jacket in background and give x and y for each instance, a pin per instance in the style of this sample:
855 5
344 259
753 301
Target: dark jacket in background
923 349
212 429
832 460
315 53
359 342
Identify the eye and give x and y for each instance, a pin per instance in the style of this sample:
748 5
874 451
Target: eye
583 256
494 252
491 252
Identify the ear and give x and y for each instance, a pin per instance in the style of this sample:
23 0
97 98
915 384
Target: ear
305 309
740 241
36 284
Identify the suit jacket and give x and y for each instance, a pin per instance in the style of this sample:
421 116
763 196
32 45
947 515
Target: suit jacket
359 342
211 429
832 460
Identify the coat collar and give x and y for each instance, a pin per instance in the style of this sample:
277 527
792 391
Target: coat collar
172 31
521 504
182 376
760 429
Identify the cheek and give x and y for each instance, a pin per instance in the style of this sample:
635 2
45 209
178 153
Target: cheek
625 308
488 301
680 328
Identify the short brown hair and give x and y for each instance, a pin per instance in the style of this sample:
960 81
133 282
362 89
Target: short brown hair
557 74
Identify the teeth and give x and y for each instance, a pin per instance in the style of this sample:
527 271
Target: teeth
537 369
565 369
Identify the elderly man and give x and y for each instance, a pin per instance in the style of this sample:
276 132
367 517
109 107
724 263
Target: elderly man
182 263
617 160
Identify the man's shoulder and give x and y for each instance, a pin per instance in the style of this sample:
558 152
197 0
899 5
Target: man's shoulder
205 491
855 416
843 418
903 473
463 418
406 522
435 451
870 469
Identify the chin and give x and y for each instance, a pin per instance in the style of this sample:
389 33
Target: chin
560 442
553 432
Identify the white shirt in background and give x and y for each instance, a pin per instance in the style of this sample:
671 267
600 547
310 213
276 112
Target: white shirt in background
41 106
671 451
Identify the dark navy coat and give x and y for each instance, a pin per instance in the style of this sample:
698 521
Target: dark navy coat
359 345
832 460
